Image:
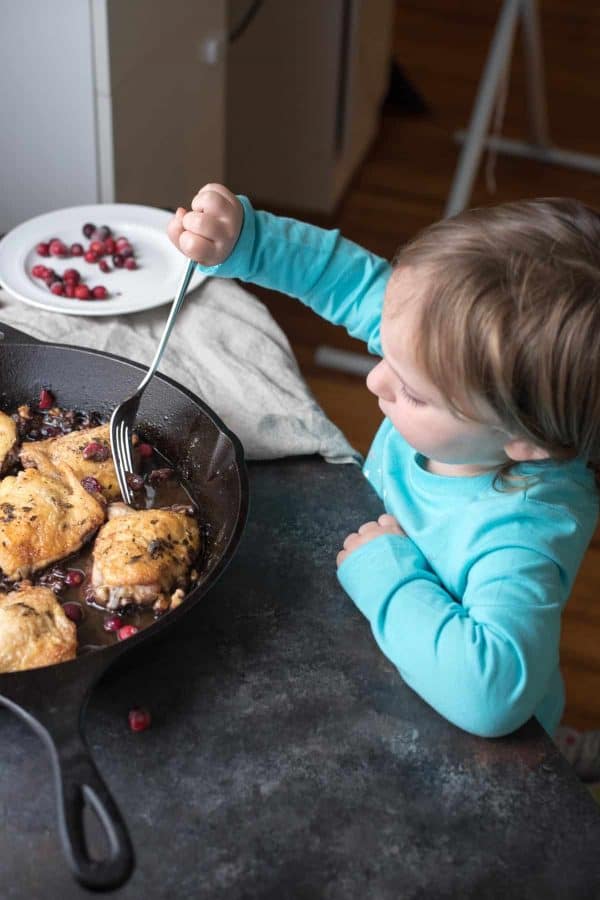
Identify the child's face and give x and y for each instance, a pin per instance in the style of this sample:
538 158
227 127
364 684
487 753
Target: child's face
415 406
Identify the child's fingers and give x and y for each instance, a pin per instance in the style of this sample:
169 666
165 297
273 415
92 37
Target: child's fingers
207 226
199 248
175 227
215 198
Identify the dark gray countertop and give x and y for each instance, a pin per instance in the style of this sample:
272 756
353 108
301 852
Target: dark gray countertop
287 759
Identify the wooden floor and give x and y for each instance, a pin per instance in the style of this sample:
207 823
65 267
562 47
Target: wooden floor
403 185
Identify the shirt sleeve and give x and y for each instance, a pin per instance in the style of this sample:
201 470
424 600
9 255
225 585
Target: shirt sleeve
486 663
337 278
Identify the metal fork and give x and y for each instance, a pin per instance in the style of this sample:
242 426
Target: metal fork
123 417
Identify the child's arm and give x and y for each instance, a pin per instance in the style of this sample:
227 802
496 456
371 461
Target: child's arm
485 664
338 279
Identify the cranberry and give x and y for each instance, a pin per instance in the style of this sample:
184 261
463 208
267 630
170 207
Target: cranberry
127 631
96 451
58 288
71 275
113 623
57 248
109 246
39 271
103 266
91 484
130 263
135 482
139 719
126 251
82 292
158 475
69 289
122 242
43 249
88 229
46 399
50 279
97 247
99 293
90 256
73 611
145 450
74 578
76 250
103 233
118 261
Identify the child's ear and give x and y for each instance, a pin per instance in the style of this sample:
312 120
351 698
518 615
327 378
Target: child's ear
522 451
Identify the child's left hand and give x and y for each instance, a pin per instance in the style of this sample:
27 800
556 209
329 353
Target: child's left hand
385 524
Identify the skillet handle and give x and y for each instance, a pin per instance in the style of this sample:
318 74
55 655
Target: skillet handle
10 335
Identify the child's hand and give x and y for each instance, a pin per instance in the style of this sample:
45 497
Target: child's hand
208 233
385 524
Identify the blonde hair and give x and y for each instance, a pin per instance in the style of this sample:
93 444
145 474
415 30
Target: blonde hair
510 313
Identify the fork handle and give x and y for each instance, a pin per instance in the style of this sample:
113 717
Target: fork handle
176 306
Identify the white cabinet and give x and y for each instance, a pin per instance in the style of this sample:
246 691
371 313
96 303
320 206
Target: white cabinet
109 100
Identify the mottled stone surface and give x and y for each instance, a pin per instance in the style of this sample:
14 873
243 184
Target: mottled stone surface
288 760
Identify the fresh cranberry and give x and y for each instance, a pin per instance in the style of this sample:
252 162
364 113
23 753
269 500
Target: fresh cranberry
71 275
109 246
46 399
127 631
118 261
96 451
57 248
58 288
43 249
91 484
88 229
90 256
99 293
69 289
145 450
74 578
103 233
113 623
122 242
130 263
97 247
50 279
39 271
73 611
135 482
139 719
126 251
103 266
76 250
82 292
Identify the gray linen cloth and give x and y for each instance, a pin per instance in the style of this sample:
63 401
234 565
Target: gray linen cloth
226 348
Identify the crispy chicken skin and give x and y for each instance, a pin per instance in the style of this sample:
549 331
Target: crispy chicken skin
8 441
43 519
34 631
143 556
69 449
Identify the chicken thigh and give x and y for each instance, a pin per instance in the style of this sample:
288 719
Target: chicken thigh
34 630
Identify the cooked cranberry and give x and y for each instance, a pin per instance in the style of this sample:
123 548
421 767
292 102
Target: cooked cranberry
91 484
97 247
49 431
57 248
58 288
127 631
46 399
73 611
39 271
113 623
71 275
103 232
43 249
99 293
90 256
69 289
145 450
96 451
130 263
118 261
103 266
109 246
74 578
88 229
158 475
135 482
76 250
139 719
82 292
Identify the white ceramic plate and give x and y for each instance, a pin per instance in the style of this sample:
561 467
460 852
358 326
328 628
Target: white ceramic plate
154 282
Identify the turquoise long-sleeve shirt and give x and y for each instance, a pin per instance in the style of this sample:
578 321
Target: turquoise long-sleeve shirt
467 605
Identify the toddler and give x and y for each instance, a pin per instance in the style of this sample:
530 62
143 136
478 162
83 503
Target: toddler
488 325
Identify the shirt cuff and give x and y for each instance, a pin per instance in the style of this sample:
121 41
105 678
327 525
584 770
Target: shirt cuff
237 264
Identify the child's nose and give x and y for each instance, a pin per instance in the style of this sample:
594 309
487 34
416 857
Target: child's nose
378 381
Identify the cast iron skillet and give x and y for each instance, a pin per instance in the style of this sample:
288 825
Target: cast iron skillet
52 700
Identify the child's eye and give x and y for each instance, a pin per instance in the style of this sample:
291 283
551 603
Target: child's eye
410 397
